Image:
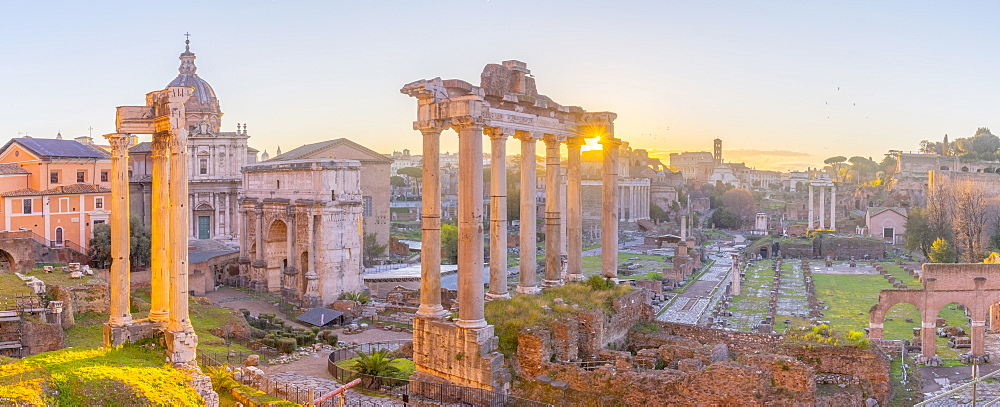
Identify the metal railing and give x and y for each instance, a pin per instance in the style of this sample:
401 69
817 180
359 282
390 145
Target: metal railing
283 390
415 390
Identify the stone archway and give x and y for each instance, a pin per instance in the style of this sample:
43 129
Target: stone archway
7 262
276 253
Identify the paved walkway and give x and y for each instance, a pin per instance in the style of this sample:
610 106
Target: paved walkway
324 386
689 306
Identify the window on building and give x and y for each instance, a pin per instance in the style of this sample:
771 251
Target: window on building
367 206
203 166
54 177
104 176
99 202
63 204
99 222
26 206
888 233
81 177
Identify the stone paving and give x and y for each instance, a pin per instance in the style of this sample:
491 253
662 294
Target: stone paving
792 297
324 386
689 306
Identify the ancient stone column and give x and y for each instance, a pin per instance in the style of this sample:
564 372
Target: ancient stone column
811 206
609 198
574 209
120 240
528 270
470 221
684 222
553 228
430 220
291 272
833 208
498 213
180 220
875 330
244 234
928 338
259 282
159 256
736 274
312 296
977 336
822 207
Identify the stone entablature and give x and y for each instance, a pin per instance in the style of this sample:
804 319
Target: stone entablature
303 232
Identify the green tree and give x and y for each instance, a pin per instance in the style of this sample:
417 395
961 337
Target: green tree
919 233
373 251
941 252
724 218
412 172
657 213
397 181
740 203
377 368
449 243
835 160
139 244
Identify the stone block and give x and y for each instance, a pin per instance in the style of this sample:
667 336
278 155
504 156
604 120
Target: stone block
720 353
689 365
252 360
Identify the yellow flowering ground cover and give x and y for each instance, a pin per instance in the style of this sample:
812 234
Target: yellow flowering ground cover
133 375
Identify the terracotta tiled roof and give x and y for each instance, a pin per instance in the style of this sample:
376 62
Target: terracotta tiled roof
308 150
48 147
63 190
8 169
143 147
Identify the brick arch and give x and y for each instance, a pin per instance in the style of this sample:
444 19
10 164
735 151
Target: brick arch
7 261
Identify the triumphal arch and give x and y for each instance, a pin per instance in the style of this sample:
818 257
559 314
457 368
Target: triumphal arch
976 286
505 104
164 117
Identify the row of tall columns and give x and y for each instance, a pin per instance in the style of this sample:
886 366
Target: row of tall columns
553 218
822 207
470 183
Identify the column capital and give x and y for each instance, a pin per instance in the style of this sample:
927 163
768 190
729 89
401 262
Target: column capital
119 144
525 135
177 144
575 141
463 122
598 118
498 133
553 138
161 145
432 125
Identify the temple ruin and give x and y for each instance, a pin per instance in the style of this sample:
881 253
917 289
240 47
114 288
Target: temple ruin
164 117
506 103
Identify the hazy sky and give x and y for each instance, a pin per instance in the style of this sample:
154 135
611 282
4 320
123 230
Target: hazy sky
784 84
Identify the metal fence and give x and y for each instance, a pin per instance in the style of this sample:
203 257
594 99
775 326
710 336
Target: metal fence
282 390
419 390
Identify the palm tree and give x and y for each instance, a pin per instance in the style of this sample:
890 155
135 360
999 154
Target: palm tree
376 368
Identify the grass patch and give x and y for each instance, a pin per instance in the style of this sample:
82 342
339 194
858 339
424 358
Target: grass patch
11 286
850 297
129 375
525 311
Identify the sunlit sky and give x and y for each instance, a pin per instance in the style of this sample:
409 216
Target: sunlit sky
783 84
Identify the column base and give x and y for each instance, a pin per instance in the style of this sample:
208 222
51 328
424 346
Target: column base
311 300
551 283
501 296
471 323
432 312
118 335
443 351
181 346
575 277
529 290
159 318
258 285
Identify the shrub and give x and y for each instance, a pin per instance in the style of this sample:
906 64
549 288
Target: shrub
331 338
287 345
315 329
598 283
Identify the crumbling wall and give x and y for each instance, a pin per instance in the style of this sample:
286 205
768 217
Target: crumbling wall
844 248
870 366
38 337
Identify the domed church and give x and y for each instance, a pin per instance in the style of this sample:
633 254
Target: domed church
216 156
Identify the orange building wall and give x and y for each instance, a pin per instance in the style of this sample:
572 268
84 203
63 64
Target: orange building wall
40 170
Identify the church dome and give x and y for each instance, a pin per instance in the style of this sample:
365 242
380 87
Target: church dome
203 106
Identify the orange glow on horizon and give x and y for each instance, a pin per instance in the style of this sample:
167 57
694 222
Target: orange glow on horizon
592 144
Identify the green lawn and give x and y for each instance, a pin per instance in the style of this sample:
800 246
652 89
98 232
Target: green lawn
11 286
850 297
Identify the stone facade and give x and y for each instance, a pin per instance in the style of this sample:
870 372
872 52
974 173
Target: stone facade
375 173
303 234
